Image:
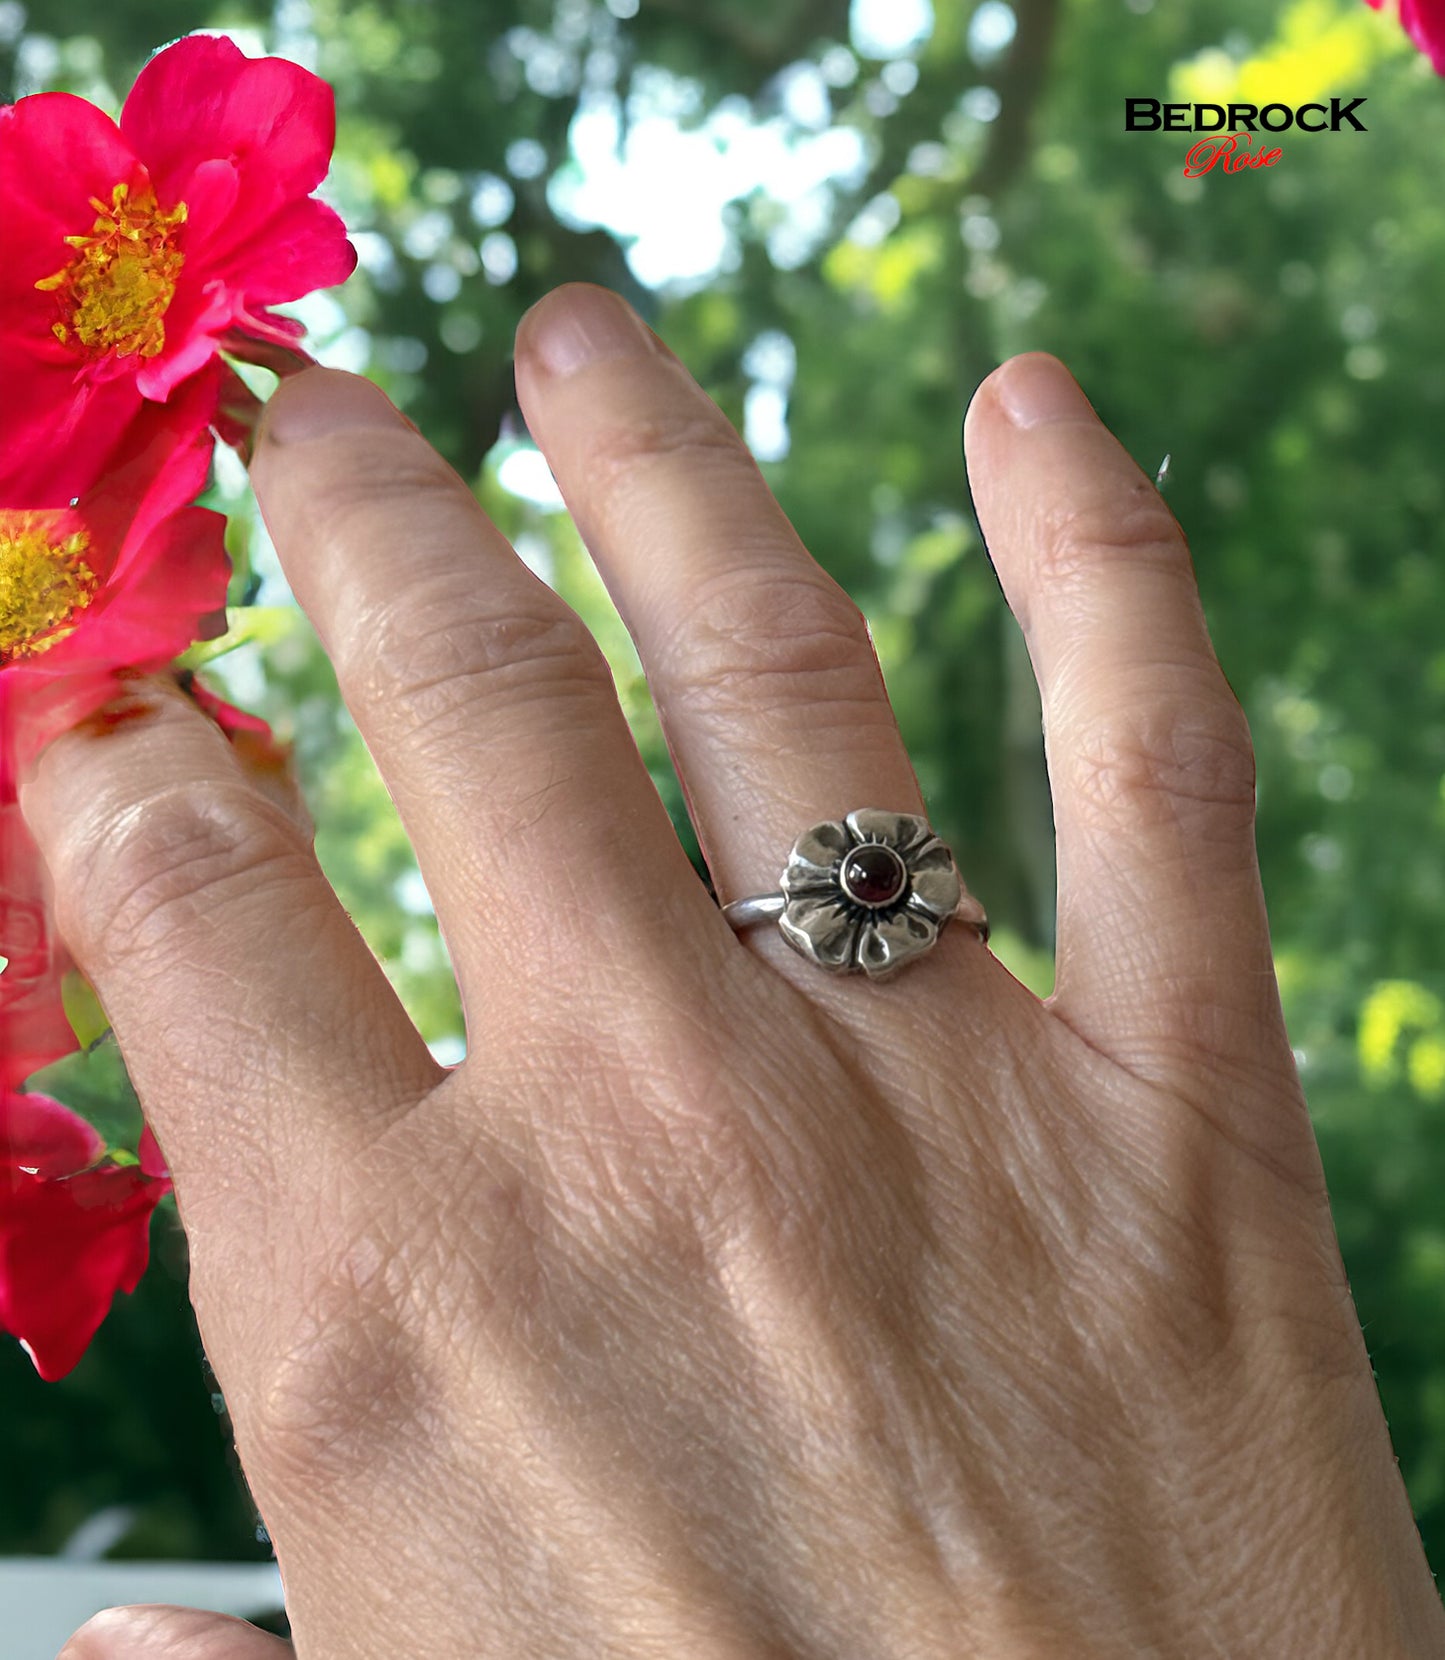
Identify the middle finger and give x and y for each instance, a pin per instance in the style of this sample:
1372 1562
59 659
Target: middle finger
488 706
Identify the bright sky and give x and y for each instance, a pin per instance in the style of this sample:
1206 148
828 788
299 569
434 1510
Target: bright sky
671 195
667 188
667 191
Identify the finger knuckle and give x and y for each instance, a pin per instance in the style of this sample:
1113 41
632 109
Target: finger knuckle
165 861
622 460
1170 760
379 483
110 1631
437 651
1077 540
750 639
405 1283
341 1386
615 449
1181 1297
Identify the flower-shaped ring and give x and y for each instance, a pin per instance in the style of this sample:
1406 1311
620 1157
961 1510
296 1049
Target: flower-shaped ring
865 895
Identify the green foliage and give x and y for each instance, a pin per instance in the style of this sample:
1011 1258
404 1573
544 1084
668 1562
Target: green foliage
93 1081
82 1009
1279 333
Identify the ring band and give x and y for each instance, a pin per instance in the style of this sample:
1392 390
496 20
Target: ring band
865 894
768 907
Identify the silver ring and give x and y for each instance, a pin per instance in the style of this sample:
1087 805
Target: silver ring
865 894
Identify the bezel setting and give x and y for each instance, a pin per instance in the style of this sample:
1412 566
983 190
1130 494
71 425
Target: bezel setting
825 920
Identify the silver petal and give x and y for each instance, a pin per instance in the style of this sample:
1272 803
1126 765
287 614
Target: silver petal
933 877
886 946
821 929
813 863
905 831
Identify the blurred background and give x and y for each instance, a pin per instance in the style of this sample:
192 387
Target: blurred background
842 217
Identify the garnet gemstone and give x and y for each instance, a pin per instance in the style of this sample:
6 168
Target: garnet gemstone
873 875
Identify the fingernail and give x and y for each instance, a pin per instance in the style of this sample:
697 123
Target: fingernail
1037 389
320 401
582 325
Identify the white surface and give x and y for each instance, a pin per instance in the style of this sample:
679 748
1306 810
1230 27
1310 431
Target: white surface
43 1600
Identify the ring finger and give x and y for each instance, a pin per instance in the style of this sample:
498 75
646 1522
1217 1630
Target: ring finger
762 669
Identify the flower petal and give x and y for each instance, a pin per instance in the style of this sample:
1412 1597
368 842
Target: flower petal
886 946
933 877
166 568
181 577
1424 22
44 1136
57 151
304 247
813 863
152 1161
57 433
66 1248
57 424
821 929
203 98
904 831
34 1029
256 140
163 462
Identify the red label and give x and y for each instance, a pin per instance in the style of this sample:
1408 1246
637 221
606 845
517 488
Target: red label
1226 153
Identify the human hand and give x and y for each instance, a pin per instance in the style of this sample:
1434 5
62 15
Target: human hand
715 1306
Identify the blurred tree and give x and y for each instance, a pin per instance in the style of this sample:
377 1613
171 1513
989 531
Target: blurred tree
1277 332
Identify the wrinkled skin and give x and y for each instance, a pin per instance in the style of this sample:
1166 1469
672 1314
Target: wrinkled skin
716 1306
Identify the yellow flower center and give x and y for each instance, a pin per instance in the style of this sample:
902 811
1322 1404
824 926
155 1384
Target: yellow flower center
116 290
44 582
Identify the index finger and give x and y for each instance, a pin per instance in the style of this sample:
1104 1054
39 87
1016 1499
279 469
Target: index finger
256 1025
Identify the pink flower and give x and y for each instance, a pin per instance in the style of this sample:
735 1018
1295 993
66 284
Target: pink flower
73 1230
1424 22
34 1029
123 580
257 746
117 585
130 249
